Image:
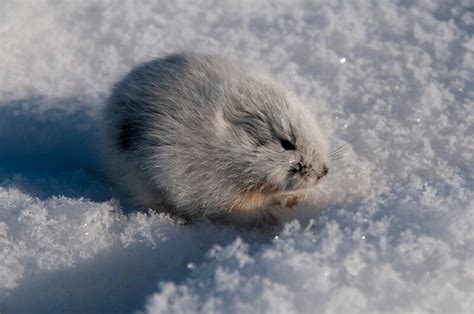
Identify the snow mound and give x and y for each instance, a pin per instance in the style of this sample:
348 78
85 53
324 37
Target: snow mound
392 228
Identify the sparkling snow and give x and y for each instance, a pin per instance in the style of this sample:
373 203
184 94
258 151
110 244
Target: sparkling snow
392 225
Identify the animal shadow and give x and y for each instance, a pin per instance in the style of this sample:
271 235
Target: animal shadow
51 147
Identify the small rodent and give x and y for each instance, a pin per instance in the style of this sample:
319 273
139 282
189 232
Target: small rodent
197 135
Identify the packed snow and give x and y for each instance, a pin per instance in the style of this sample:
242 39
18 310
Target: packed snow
391 228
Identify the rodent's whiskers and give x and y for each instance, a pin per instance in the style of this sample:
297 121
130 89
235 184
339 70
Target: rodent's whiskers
338 149
337 158
338 153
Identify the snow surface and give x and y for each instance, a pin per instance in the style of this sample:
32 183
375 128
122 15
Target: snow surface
392 228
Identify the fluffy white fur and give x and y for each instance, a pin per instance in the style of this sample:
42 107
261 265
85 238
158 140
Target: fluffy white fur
199 135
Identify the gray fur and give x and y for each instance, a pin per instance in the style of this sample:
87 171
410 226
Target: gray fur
189 133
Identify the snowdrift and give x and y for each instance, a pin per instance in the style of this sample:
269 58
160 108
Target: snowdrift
392 225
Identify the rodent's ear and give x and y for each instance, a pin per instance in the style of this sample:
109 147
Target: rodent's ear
221 124
254 125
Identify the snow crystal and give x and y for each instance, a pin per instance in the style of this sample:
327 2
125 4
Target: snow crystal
391 228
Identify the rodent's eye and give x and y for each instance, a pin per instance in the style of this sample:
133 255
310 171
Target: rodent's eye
287 145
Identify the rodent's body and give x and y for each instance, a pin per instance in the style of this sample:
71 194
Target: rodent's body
198 135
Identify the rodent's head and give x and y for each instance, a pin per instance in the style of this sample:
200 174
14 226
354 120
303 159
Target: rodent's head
274 144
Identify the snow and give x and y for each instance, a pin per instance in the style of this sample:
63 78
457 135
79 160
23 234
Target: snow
391 228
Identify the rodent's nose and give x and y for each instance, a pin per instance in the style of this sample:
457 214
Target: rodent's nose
302 168
324 172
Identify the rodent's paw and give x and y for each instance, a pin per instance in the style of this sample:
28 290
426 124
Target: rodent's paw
289 200
292 201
